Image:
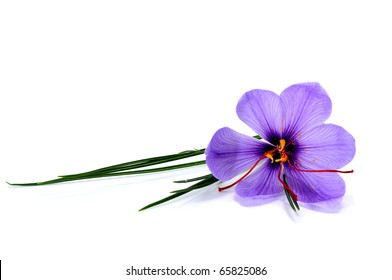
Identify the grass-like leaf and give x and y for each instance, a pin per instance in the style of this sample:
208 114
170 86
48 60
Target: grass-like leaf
138 163
104 175
293 203
207 181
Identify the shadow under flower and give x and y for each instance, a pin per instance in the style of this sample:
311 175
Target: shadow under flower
330 206
255 201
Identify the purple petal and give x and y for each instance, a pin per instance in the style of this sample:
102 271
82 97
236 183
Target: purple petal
231 153
304 106
262 182
315 187
326 146
261 110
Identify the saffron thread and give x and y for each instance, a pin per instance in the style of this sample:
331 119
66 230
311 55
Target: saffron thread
243 177
322 170
293 195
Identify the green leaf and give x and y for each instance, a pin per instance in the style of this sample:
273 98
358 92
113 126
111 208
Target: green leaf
166 199
209 180
293 203
192 179
139 163
104 175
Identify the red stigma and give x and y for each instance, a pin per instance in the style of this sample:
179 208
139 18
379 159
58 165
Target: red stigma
293 195
318 170
243 177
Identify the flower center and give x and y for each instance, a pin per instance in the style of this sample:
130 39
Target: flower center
278 151
279 155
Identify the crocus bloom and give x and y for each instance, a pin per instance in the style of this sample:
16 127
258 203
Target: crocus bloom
298 153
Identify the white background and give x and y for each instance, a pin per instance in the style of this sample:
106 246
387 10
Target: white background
85 84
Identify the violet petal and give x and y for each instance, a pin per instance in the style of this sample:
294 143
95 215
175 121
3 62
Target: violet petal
262 182
315 187
326 146
231 153
304 106
261 110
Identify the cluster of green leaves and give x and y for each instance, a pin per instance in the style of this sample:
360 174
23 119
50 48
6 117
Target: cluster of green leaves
202 182
139 167
128 168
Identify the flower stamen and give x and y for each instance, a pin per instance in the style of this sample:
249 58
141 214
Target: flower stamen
270 155
283 157
282 145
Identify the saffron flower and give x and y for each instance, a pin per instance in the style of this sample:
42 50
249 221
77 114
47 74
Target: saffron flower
294 152
297 154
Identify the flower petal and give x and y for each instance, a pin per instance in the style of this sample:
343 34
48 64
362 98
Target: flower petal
262 182
326 146
304 106
231 153
315 187
261 110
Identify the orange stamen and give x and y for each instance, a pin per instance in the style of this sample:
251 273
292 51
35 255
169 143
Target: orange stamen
282 143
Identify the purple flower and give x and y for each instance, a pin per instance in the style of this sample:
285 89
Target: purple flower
298 154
